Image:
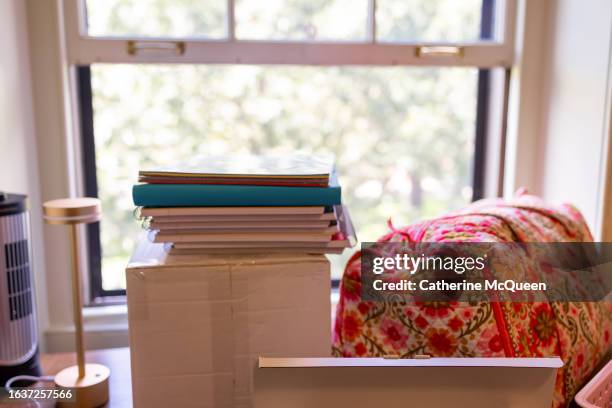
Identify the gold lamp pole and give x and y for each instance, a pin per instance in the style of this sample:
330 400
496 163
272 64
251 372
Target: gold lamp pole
89 382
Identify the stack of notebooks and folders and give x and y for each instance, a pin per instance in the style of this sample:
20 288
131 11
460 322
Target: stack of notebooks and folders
246 204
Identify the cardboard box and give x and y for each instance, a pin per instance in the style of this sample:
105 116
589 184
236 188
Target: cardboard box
198 323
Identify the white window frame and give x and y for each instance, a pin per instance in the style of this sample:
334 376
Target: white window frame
79 48
83 49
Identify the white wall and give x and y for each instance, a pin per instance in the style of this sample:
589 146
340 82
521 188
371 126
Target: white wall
576 87
56 160
558 124
18 154
34 152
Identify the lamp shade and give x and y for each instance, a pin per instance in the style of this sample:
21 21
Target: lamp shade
68 211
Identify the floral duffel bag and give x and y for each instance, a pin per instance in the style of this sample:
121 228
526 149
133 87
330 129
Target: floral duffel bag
578 332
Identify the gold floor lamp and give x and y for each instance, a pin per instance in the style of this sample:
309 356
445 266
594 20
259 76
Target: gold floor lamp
89 382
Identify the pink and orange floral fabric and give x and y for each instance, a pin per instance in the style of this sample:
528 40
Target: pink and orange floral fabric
577 332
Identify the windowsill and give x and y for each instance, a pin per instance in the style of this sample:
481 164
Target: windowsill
104 326
115 316
107 327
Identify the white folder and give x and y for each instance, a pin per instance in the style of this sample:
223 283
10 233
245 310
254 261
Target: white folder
391 383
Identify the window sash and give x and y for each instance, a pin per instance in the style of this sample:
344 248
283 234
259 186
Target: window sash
100 296
83 49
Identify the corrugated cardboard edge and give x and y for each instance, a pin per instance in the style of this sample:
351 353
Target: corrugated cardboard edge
149 255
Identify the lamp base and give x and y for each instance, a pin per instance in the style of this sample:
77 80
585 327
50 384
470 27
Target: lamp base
90 391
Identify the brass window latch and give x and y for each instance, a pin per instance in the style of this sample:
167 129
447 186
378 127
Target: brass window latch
157 47
439 51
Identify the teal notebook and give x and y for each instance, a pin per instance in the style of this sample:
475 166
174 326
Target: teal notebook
217 195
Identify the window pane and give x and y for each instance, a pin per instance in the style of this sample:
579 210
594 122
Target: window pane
429 20
403 137
301 19
157 18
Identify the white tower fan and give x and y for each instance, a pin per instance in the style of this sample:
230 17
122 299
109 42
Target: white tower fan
18 328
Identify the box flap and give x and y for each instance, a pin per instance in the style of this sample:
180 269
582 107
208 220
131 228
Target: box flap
148 255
